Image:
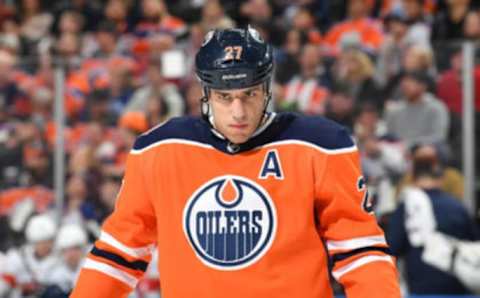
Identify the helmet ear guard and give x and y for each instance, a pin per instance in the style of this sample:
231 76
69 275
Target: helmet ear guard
204 105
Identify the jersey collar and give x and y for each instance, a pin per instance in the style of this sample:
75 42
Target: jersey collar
259 137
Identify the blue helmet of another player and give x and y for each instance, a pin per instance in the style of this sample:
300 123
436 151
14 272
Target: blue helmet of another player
234 59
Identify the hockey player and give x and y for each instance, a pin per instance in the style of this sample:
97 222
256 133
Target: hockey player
244 202
27 268
71 242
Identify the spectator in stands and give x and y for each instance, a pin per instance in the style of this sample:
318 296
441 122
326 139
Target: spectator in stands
417 58
108 195
304 21
192 96
213 16
157 110
420 58
256 11
34 28
132 123
99 107
450 91
71 22
419 27
157 86
89 10
82 160
7 10
68 48
9 37
449 87
79 207
451 180
355 70
358 28
471 28
368 122
28 267
107 153
393 49
158 20
115 12
151 11
449 24
190 47
11 97
340 105
286 58
36 159
18 203
106 38
419 116
10 155
128 135
306 92
121 83
425 210
42 106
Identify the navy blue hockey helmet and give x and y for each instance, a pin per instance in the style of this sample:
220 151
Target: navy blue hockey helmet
234 59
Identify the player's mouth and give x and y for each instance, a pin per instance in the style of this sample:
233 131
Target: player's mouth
239 126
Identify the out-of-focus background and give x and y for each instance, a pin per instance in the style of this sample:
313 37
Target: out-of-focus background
79 80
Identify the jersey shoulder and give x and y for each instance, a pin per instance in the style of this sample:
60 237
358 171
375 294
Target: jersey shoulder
316 130
179 128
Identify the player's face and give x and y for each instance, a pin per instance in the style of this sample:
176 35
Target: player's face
43 248
238 112
73 256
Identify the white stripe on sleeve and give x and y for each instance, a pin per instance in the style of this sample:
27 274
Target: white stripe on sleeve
135 252
355 243
358 263
120 275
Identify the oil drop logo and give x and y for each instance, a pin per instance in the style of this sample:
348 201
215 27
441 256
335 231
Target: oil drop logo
230 232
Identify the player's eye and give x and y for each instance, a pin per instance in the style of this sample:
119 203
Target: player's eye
224 97
251 93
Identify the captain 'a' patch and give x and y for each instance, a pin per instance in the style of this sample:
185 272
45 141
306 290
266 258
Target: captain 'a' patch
230 232
271 166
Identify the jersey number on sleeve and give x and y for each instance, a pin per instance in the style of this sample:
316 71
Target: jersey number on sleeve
367 203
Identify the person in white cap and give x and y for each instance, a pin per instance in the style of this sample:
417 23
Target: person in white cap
28 266
72 245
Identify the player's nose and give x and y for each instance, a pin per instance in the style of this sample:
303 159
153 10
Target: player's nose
238 109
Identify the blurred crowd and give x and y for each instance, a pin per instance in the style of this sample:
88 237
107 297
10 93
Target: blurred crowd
388 70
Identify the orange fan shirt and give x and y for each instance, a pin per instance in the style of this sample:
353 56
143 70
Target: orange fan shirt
272 217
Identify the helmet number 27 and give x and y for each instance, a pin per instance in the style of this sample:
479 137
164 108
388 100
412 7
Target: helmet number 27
233 52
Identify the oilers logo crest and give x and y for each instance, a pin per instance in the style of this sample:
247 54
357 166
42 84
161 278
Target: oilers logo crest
233 233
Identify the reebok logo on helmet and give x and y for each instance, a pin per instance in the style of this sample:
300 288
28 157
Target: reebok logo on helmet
234 76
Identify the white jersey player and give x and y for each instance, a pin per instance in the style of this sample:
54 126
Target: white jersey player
28 267
72 245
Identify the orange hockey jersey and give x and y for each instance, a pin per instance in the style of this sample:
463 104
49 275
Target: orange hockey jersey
267 218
